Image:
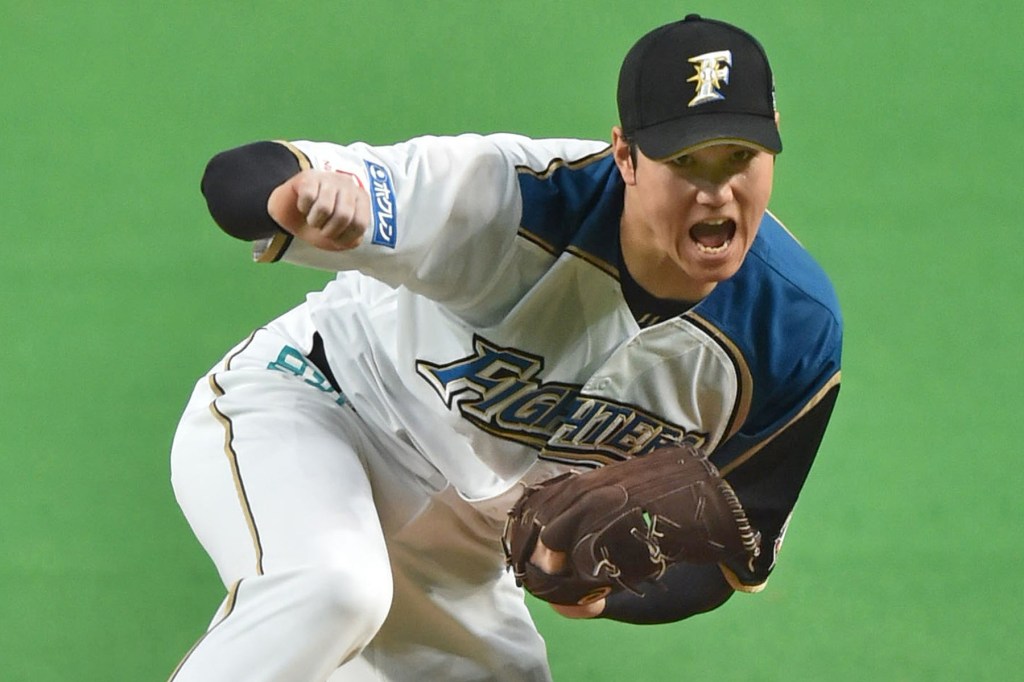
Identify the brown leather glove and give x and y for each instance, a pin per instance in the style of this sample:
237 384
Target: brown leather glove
625 523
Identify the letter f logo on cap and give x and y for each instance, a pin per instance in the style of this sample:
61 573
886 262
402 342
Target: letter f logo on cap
712 71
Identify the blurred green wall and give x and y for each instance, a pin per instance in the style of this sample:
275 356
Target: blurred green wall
901 173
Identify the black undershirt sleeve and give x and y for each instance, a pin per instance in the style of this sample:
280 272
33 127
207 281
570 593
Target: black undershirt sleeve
768 485
237 184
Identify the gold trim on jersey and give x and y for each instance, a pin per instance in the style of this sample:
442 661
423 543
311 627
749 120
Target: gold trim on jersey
300 156
542 243
586 256
810 404
270 251
600 263
744 377
557 163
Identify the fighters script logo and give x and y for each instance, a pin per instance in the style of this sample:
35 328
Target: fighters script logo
712 72
499 390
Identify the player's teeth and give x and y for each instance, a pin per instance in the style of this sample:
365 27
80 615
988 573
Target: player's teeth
714 249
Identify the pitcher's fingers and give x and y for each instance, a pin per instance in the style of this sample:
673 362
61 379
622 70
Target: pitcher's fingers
358 211
307 189
548 560
323 211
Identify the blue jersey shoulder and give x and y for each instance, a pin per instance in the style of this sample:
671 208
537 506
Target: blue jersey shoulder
782 320
786 260
574 205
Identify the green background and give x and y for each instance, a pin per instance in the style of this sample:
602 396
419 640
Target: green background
902 173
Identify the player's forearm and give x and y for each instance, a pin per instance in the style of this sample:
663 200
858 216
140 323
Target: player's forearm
238 182
684 591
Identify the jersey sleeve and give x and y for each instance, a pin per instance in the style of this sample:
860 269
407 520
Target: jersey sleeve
768 483
768 458
445 210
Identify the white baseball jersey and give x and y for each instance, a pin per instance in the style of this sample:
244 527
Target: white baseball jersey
484 331
484 321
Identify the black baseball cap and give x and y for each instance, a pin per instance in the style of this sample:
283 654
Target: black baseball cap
697 82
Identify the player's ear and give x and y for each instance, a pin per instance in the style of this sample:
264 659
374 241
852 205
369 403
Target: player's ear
625 158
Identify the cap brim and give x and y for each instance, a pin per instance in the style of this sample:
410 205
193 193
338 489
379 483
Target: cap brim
673 138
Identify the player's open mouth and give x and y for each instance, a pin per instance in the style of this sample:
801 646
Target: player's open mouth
714 236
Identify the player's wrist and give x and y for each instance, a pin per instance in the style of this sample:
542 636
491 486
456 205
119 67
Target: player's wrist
593 609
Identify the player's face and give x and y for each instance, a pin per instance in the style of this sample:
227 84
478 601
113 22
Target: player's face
694 218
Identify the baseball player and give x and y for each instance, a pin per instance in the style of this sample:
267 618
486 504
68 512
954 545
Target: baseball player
507 311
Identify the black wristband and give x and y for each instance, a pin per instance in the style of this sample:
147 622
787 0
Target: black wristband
237 184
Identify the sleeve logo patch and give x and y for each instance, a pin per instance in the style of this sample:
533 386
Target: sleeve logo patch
382 203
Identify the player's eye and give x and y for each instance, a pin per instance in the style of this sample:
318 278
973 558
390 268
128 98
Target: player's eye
683 161
741 156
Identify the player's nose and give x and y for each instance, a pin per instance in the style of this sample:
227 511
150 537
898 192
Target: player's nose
714 191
